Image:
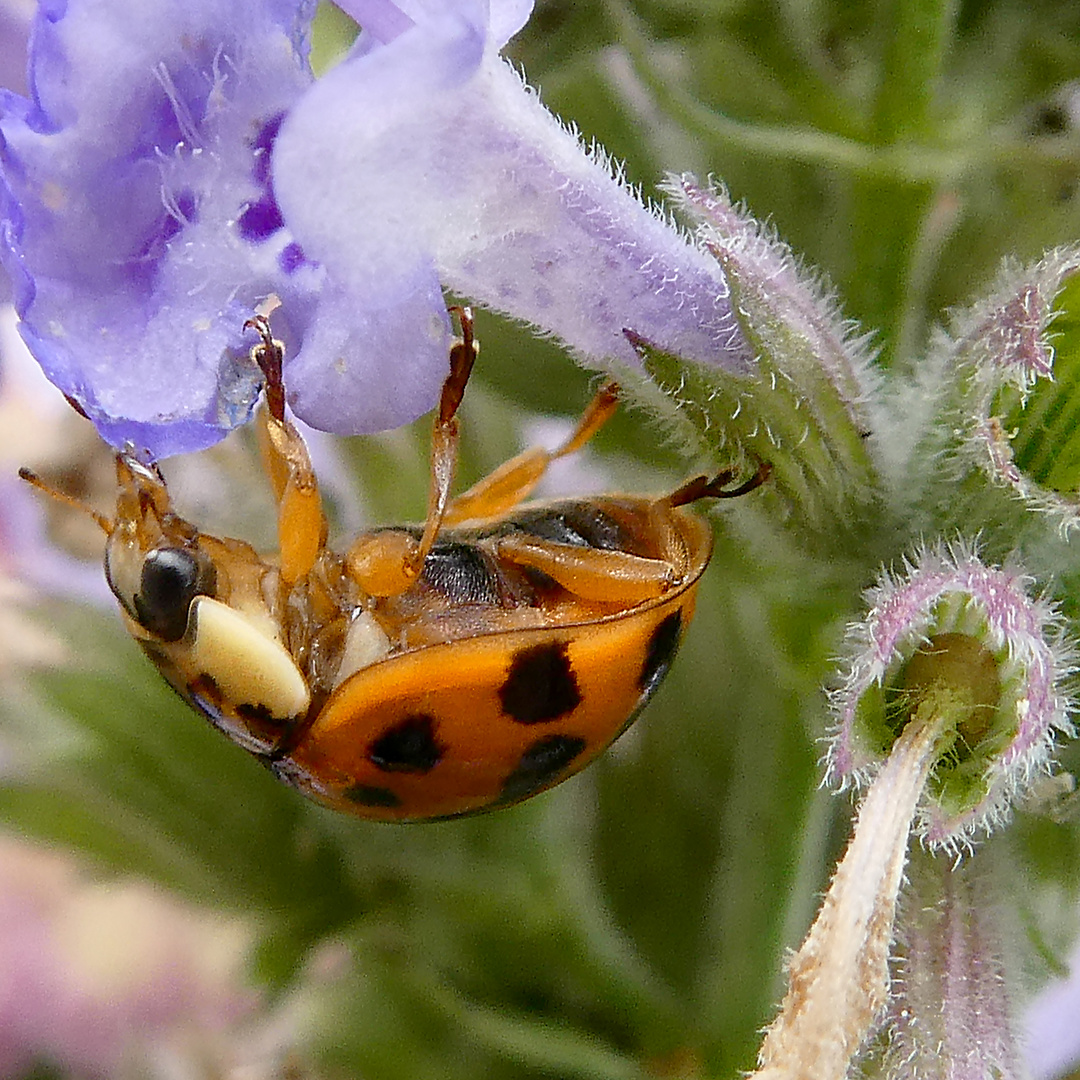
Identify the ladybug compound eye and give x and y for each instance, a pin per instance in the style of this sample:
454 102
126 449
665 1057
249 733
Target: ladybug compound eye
170 579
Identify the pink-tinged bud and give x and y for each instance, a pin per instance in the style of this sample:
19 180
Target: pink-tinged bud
950 1016
956 638
1015 358
805 403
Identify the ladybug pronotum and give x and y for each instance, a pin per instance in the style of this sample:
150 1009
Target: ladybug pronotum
458 666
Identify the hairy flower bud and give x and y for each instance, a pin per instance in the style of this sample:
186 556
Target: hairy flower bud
1010 368
803 405
957 638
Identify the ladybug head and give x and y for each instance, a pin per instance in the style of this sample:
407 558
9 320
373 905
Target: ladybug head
153 561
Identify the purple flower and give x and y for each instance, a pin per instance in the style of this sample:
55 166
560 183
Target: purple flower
127 175
38 429
425 158
14 27
143 221
1052 1040
94 977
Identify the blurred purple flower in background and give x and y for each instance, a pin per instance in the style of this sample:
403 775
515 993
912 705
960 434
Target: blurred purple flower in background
92 974
38 429
1052 1036
15 18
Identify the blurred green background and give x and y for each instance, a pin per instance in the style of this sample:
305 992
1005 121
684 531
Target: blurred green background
631 923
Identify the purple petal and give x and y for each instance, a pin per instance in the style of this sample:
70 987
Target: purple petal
14 37
384 364
507 17
385 21
430 149
14 33
382 20
125 175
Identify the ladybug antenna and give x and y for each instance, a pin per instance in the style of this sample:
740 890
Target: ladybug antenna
268 354
105 524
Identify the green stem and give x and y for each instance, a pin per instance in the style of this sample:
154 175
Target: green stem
917 35
903 162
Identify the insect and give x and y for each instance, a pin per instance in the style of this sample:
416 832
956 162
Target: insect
423 672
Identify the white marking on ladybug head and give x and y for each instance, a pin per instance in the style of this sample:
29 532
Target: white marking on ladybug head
123 565
249 665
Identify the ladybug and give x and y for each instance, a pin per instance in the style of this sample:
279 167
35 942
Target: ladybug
424 672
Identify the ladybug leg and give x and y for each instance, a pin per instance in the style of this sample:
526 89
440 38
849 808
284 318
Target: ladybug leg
701 487
592 573
716 487
387 563
616 576
501 490
444 435
301 522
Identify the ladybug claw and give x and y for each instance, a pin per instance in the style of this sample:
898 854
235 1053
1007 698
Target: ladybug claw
269 355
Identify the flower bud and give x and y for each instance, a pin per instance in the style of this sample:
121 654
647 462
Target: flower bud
950 1014
1014 359
804 403
957 639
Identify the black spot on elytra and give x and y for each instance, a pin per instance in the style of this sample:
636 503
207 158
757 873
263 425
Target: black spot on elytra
660 652
368 795
540 765
540 684
409 746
